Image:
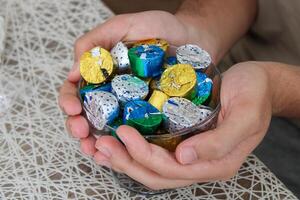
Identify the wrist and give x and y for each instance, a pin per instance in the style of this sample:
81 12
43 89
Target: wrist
199 33
284 81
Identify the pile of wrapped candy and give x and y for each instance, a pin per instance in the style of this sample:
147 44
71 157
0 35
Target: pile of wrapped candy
143 86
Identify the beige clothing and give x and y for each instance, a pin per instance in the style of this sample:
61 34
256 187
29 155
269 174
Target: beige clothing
274 36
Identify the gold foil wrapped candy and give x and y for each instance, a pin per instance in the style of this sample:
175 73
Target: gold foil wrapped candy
96 65
157 99
179 81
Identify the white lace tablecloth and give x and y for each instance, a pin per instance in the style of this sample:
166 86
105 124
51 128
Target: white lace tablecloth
38 159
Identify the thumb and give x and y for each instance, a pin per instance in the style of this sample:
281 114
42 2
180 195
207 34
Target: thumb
215 144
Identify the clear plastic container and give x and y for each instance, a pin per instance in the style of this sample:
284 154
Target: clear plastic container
171 140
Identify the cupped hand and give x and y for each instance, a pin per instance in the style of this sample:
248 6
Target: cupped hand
128 27
213 155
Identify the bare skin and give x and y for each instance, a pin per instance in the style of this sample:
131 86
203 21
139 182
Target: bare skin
242 124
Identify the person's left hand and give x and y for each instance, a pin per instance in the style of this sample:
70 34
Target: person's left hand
213 155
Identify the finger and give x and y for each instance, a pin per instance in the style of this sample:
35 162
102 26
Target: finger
68 100
164 163
120 160
104 35
74 74
102 160
87 145
78 126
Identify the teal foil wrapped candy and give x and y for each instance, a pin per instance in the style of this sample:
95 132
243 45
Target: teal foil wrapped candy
99 87
128 87
146 60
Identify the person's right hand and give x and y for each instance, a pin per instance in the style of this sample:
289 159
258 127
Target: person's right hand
128 27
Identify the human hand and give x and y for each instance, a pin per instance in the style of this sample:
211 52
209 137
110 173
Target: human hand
213 155
128 27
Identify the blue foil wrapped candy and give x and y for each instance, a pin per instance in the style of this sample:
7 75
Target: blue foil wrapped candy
146 60
142 116
170 61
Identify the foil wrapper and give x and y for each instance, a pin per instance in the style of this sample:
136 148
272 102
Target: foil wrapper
163 44
179 81
181 113
146 60
158 99
204 87
119 54
95 88
127 87
96 65
101 108
193 55
170 61
142 116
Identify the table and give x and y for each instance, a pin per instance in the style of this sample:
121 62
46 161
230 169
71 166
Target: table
38 159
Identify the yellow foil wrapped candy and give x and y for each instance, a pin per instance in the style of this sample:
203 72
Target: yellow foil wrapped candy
157 42
179 81
96 65
158 99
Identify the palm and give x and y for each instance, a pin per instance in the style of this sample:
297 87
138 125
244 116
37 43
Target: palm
155 24
245 106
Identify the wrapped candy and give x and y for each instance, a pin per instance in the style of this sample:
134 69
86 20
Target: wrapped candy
101 108
170 61
99 87
119 54
181 113
96 65
204 87
163 44
142 116
158 99
146 60
193 55
127 87
179 81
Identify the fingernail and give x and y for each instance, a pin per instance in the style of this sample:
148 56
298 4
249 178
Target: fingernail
104 151
188 155
104 163
122 138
